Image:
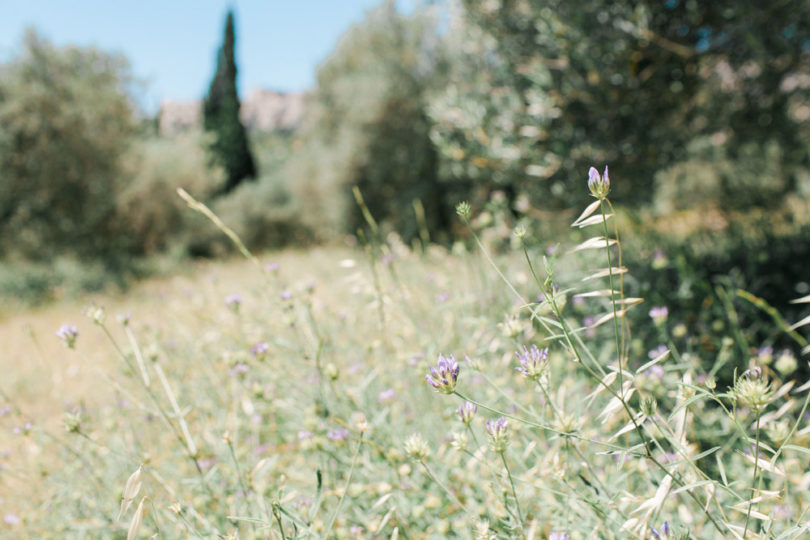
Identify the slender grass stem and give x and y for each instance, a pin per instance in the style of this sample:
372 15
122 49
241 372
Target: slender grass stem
619 346
346 488
754 479
514 491
450 494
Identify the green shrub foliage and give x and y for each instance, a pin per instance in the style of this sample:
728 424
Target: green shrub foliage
66 123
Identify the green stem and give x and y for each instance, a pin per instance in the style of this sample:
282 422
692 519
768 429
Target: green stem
754 480
613 301
348 483
514 491
450 494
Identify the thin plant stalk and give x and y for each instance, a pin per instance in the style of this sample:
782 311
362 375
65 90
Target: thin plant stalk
346 488
514 491
754 479
619 345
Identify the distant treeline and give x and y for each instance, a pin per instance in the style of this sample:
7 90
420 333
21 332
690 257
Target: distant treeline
695 105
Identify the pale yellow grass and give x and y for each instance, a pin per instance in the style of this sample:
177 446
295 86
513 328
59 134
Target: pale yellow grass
43 379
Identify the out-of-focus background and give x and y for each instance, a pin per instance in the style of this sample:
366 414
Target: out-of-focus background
271 112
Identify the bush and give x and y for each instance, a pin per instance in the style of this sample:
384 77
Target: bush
67 121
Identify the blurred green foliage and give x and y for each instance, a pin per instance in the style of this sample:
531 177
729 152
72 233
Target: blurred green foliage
367 126
67 122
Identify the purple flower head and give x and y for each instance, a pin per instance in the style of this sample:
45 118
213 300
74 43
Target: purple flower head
286 295
11 519
656 371
659 314
664 534
233 301
444 376
260 349
498 435
443 297
658 351
68 334
598 185
239 369
271 267
466 412
558 536
338 435
386 395
533 363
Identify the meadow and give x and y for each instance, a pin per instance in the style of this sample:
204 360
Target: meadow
390 391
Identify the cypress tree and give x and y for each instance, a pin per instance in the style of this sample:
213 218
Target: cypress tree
221 117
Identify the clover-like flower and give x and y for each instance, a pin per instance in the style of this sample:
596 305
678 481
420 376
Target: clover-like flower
599 185
659 314
444 376
68 334
497 434
417 448
533 363
466 412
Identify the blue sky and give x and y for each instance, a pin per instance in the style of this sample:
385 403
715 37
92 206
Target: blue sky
172 45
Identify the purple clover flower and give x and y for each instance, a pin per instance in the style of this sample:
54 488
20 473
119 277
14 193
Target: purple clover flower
498 435
533 363
466 412
233 301
444 376
659 314
68 334
386 395
338 435
239 369
260 349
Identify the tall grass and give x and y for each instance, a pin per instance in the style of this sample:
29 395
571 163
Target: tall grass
292 402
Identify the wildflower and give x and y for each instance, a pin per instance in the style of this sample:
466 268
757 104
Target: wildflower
460 441
764 355
386 395
444 376
752 390
260 350
466 412
658 351
778 431
511 326
533 363
482 531
239 368
123 318
338 435
271 267
599 185
786 363
659 260
68 334
659 314
497 434
664 534
463 209
11 519
558 536
286 295
417 448
98 315
233 301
